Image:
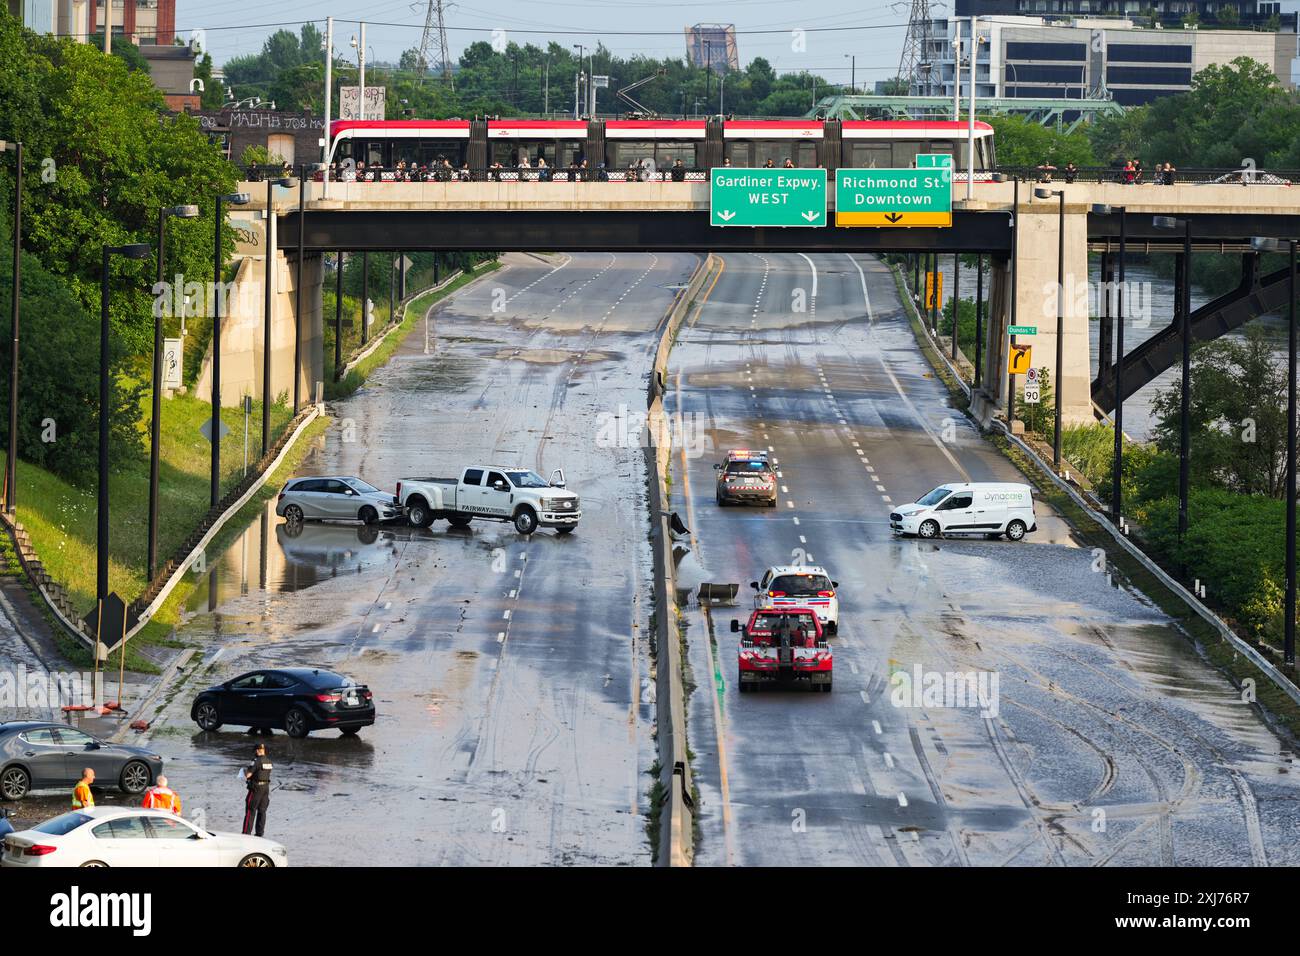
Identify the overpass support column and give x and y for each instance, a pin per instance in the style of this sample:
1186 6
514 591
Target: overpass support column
1036 302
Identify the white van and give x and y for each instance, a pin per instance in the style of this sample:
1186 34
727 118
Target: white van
969 507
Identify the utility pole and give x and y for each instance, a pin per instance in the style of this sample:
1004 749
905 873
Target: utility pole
329 105
108 27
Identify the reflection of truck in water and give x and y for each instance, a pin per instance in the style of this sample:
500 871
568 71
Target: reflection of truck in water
493 492
783 645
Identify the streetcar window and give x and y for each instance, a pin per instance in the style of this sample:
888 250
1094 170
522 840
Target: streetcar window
905 153
738 153
806 155
871 156
777 150
668 152
625 152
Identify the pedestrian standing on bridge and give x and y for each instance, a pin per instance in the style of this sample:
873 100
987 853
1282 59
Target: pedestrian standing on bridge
1071 171
257 777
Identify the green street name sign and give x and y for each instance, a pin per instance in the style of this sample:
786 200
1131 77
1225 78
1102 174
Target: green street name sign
896 197
1022 330
767 197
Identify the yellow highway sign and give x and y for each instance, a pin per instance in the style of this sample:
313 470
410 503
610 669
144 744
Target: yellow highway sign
1018 359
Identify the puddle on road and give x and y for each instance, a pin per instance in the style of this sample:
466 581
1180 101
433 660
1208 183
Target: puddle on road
272 555
551 356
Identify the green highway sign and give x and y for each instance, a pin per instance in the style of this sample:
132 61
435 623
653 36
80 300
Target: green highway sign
933 160
767 197
1022 330
896 197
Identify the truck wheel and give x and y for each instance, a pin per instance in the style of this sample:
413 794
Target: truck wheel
368 515
826 687
567 529
418 513
459 521
928 529
744 688
832 627
1016 530
525 521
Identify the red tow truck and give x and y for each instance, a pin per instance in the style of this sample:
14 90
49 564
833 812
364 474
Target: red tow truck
783 645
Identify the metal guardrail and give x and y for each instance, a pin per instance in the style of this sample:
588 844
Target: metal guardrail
1229 176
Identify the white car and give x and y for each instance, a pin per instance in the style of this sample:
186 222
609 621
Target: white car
128 836
800 585
964 507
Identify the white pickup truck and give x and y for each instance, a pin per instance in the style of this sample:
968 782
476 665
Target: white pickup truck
496 492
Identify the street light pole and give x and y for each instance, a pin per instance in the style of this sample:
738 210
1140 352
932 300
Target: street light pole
155 426
1060 319
1015 249
235 199
1185 325
338 313
1116 488
11 460
268 283
133 251
1293 334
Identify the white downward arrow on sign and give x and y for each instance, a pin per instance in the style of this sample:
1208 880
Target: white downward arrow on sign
726 215
810 216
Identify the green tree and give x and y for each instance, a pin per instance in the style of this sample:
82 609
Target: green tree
125 50
104 158
214 94
58 395
1022 142
1238 415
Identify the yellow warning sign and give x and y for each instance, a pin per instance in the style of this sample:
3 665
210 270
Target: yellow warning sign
893 218
1018 359
933 287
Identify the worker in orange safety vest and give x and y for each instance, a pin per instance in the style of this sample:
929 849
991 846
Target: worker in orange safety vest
162 797
82 799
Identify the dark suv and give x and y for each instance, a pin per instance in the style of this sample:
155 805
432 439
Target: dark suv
42 755
294 699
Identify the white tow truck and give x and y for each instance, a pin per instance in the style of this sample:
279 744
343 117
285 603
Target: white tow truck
494 492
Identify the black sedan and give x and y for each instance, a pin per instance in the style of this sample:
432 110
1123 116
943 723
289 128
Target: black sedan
296 699
40 755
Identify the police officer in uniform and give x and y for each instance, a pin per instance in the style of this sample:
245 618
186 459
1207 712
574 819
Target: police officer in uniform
257 775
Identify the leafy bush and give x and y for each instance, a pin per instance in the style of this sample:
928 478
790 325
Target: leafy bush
1234 544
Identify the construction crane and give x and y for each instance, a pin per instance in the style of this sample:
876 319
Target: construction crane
435 21
639 109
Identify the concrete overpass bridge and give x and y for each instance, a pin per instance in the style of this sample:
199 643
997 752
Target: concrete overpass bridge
635 217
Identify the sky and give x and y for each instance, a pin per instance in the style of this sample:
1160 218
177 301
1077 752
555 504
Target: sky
872 31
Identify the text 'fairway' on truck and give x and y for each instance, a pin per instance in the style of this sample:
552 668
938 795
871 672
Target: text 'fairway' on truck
495 492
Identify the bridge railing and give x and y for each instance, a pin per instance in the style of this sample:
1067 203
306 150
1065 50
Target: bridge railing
1245 176
501 174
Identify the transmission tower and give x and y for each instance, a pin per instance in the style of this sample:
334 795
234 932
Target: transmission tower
434 21
915 65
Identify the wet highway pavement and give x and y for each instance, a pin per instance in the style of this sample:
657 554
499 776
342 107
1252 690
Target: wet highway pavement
1108 740
509 672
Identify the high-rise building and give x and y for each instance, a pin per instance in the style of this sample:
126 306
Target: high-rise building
1119 59
143 21
712 45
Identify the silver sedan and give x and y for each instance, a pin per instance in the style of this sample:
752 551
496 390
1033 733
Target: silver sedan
335 498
